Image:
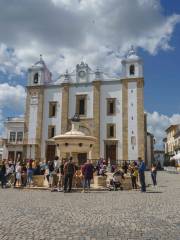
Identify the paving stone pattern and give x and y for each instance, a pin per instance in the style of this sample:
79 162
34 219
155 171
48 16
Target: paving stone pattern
40 215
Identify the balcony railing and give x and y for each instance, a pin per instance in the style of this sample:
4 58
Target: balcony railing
15 119
15 142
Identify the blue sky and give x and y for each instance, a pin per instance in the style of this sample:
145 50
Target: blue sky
99 33
162 72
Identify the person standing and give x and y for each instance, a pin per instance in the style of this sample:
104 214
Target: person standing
18 174
142 169
154 174
61 175
51 172
56 172
3 175
125 167
69 171
87 172
29 173
134 177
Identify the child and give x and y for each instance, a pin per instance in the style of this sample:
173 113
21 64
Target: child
134 177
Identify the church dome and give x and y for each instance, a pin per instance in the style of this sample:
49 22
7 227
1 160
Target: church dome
132 55
40 63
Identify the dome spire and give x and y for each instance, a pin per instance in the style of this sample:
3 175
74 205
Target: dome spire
131 51
41 58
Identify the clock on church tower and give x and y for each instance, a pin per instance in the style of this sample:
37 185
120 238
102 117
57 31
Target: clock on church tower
82 73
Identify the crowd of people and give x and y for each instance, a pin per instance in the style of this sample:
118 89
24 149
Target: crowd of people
60 174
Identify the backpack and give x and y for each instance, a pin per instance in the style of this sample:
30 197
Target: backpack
51 166
70 168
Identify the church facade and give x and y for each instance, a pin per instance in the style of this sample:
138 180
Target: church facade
110 109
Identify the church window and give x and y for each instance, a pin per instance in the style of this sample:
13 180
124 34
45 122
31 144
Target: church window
19 136
111 130
131 70
111 106
51 131
36 78
12 137
81 105
52 109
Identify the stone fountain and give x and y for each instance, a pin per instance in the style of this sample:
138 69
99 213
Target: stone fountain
73 142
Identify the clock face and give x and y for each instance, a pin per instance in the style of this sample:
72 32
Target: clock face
82 74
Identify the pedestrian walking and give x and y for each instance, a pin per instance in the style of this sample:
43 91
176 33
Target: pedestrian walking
142 169
154 174
69 171
87 172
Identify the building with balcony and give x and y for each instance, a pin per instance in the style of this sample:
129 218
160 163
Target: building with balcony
177 141
171 141
13 139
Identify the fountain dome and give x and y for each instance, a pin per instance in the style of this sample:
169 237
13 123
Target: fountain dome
75 141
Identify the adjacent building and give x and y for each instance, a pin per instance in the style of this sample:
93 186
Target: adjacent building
13 140
172 140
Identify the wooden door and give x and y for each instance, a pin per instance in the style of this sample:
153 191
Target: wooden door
111 153
50 152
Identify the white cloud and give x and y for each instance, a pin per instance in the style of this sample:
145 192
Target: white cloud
9 61
99 32
1 122
158 123
12 99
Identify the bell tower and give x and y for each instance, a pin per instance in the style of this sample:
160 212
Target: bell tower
133 106
132 66
39 74
38 77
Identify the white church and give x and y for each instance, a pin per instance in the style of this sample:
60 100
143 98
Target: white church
110 109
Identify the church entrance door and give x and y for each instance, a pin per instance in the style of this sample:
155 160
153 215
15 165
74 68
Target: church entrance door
50 152
111 153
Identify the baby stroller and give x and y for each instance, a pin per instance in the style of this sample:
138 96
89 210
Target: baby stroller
115 181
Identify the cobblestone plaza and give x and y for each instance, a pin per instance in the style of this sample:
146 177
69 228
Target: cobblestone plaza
36 214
